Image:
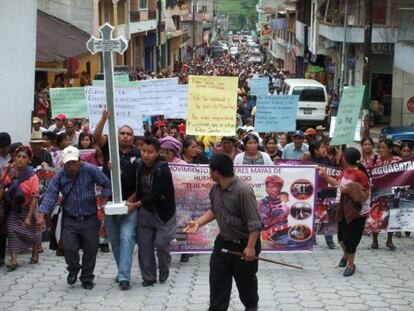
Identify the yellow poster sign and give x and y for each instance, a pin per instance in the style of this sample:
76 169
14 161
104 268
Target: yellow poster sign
212 105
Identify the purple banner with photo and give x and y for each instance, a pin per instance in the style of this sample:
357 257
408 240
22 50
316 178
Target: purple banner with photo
285 199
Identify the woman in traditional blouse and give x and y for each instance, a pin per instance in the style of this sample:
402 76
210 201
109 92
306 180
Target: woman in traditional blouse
252 155
20 192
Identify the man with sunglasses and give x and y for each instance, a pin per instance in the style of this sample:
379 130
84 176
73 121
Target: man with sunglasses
121 228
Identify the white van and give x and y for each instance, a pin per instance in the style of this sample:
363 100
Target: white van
313 100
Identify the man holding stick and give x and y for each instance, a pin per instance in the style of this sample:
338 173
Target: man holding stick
234 207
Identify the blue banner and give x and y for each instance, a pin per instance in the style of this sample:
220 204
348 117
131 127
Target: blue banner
259 86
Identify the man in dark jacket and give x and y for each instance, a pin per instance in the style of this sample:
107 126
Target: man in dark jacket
155 200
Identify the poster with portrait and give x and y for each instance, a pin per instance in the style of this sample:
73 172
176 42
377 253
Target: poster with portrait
285 201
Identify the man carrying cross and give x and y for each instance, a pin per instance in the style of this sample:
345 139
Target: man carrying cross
119 149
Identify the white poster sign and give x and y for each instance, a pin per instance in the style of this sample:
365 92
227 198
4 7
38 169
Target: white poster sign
158 97
180 112
127 107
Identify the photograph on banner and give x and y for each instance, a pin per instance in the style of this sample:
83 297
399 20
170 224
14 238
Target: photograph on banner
182 97
45 177
348 115
158 97
379 215
212 105
70 101
285 203
126 105
276 113
259 86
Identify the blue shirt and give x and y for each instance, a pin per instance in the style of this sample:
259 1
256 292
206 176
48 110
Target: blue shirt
291 153
82 198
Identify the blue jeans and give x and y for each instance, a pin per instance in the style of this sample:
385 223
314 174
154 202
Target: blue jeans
329 238
121 234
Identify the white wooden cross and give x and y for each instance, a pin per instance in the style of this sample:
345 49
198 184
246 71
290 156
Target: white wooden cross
107 45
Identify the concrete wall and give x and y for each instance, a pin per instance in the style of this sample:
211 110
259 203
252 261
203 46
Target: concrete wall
17 67
77 12
402 91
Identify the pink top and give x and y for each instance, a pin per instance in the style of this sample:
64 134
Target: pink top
380 161
178 161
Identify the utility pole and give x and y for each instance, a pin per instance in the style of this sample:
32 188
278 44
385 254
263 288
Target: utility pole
194 25
366 78
342 76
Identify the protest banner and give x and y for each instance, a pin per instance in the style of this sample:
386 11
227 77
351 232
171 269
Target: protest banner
118 83
392 199
276 113
287 214
180 111
212 104
158 97
348 115
70 101
126 104
259 86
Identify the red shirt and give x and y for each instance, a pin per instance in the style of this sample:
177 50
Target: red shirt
356 175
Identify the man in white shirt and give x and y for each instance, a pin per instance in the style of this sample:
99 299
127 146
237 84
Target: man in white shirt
37 125
59 125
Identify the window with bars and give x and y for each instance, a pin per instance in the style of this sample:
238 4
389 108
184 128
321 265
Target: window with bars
143 4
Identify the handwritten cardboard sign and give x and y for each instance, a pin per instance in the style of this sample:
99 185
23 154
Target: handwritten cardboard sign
70 101
212 103
126 106
348 115
276 113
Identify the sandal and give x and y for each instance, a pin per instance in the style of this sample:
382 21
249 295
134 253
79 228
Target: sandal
349 271
391 246
11 267
374 245
343 262
34 261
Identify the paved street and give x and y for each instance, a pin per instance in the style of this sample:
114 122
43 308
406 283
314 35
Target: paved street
384 281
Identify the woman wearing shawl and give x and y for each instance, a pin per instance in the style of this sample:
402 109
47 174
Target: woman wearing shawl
171 150
20 190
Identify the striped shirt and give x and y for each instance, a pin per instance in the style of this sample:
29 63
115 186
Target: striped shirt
82 198
235 210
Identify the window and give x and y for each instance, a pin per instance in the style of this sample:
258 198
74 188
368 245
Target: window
143 4
309 94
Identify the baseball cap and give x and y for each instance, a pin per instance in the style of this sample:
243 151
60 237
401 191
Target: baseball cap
298 133
60 117
310 131
36 120
70 154
160 123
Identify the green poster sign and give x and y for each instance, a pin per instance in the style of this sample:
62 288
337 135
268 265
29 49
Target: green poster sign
348 115
69 101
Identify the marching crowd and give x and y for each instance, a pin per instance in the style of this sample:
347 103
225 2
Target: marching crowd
72 205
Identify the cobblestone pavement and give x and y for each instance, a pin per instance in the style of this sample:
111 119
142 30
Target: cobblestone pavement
384 281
